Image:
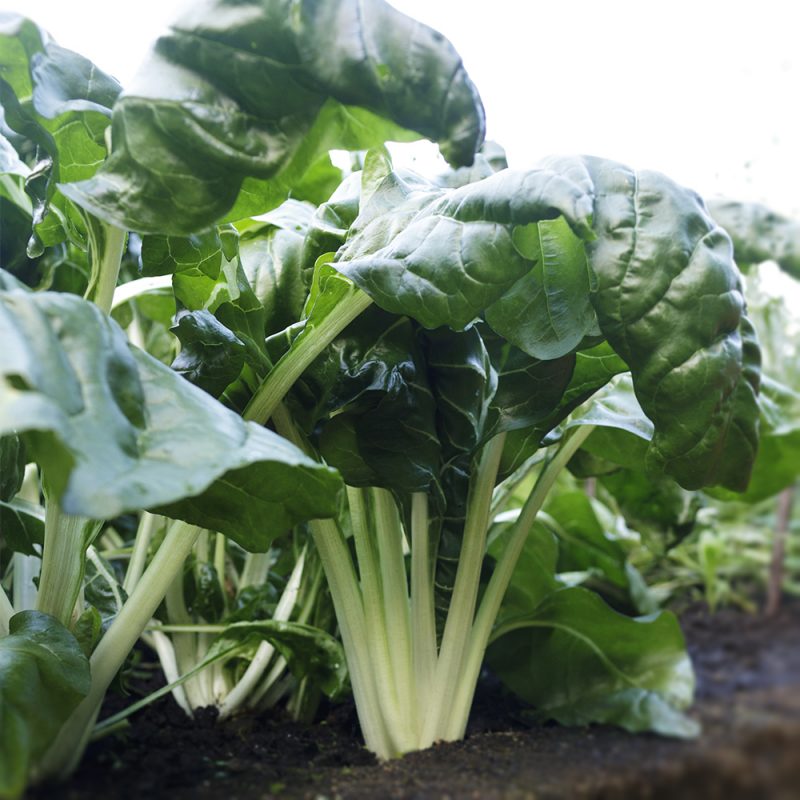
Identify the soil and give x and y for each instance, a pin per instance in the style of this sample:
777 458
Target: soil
748 702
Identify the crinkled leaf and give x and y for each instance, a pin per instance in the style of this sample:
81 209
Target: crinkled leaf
211 356
271 255
759 234
442 256
464 384
669 301
529 390
286 101
593 369
375 372
43 677
578 661
116 430
777 464
547 312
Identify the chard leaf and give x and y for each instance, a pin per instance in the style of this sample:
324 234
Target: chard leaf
286 101
547 312
21 526
669 301
12 465
593 369
777 464
43 677
330 224
308 651
759 234
443 256
631 672
534 576
464 384
211 357
529 390
271 255
61 102
584 544
662 512
116 430
375 373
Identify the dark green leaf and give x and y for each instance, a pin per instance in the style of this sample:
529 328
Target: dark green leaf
583 543
286 101
547 312
669 301
375 371
534 576
594 368
43 677
21 526
442 256
777 464
211 356
12 465
271 255
656 507
577 662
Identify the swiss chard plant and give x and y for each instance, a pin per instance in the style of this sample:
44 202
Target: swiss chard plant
104 428
428 339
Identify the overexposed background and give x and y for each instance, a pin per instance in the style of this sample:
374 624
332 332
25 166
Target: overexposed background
704 90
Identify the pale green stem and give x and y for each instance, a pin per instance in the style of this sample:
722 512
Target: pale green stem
396 612
219 561
114 647
133 289
26 571
148 524
165 651
465 592
274 388
349 608
423 615
106 259
455 726
195 627
63 558
185 644
372 593
26 568
256 668
6 612
255 570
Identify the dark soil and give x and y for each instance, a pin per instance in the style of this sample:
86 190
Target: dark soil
748 702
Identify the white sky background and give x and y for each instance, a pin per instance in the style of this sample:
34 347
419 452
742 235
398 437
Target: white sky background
703 90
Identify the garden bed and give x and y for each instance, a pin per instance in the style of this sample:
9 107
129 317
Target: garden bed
748 701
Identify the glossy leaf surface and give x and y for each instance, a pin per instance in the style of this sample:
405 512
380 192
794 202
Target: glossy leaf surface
43 676
238 100
116 430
